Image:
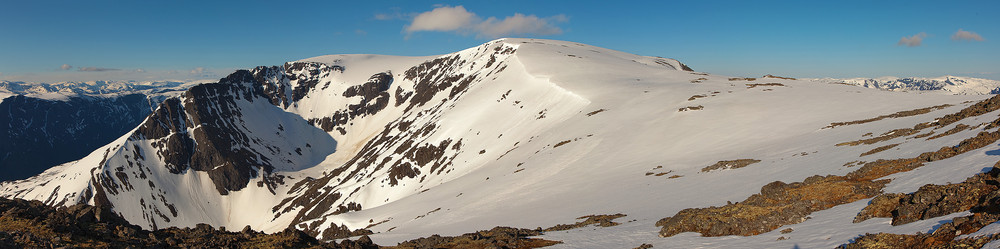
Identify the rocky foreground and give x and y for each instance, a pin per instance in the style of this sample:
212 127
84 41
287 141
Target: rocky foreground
31 224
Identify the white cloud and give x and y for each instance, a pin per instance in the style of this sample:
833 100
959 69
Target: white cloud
458 19
198 70
443 19
962 35
360 32
912 41
140 70
65 67
95 69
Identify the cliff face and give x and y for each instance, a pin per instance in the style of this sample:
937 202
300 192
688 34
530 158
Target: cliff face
36 134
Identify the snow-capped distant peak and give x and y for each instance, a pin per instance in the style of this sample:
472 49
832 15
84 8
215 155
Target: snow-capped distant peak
947 84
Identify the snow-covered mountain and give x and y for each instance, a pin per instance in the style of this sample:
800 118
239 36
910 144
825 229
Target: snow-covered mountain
528 133
947 84
64 90
46 124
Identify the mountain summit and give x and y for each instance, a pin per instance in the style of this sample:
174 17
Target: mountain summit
525 133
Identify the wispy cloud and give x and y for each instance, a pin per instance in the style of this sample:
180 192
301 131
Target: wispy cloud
198 70
962 35
912 41
459 20
95 69
65 67
396 14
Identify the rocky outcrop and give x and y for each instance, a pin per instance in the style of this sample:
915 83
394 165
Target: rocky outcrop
498 237
934 200
31 224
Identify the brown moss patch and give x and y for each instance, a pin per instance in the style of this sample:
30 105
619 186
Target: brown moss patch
691 108
595 112
730 164
777 205
498 237
879 149
778 77
958 128
692 98
763 85
899 114
603 220
746 79
884 137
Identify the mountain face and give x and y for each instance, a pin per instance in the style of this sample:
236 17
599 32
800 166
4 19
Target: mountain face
947 84
40 133
47 124
529 133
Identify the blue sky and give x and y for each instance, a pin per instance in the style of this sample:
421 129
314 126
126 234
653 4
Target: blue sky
156 40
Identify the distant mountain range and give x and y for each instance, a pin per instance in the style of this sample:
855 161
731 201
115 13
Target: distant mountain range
46 124
947 84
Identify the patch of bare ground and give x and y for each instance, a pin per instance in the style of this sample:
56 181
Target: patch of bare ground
923 240
746 79
781 204
692 98
879 149
923 135
778 77
698 80
899 114
644 246
730 164
691 108
763 85
884 137
498 237
595 112
958 128
977 194
602 220
778 204
854 163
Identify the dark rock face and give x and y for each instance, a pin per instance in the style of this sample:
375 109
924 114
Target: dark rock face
374 97
206 131
36 134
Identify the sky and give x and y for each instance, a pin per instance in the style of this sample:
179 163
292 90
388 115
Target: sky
50 41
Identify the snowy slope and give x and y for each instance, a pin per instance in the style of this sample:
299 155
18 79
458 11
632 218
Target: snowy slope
947 84
515 132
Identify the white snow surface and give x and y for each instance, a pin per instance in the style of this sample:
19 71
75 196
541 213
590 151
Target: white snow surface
551 132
